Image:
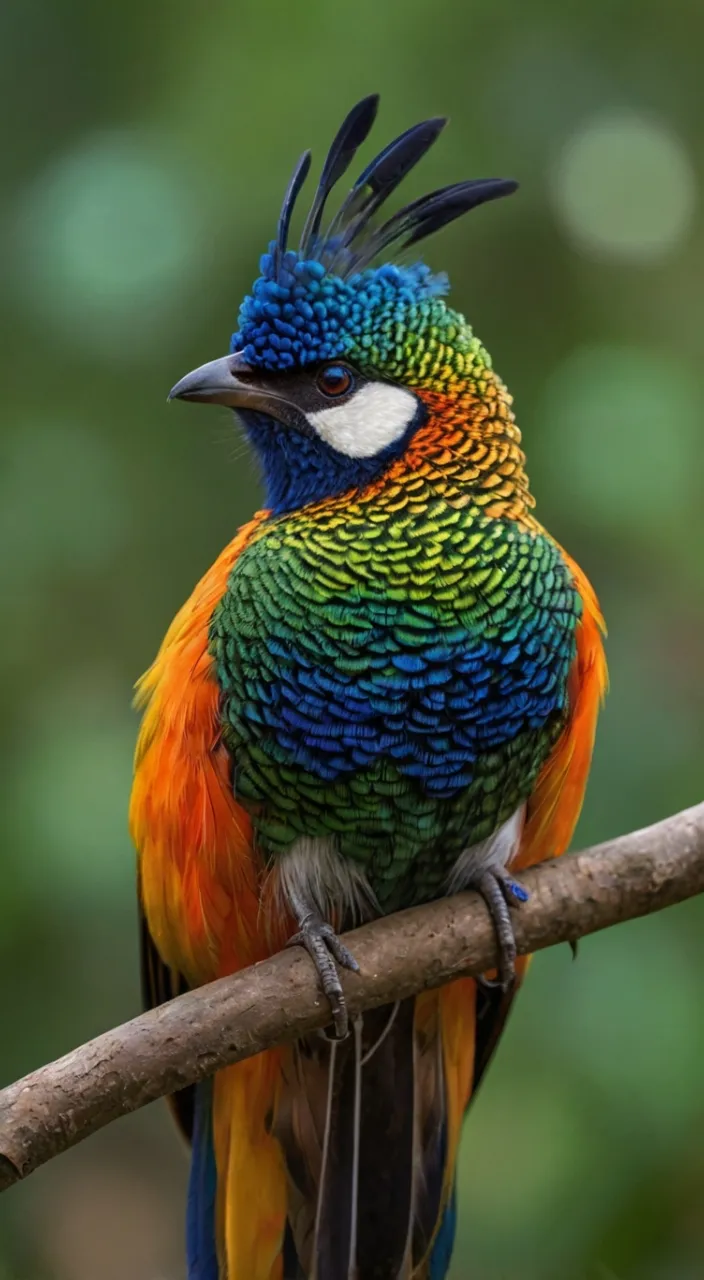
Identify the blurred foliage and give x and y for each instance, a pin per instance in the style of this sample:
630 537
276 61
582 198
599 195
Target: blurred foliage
145 149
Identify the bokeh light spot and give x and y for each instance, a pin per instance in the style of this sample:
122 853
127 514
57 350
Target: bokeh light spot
624 187
109 238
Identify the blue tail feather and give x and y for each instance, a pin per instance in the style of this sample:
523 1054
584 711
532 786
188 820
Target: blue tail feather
201 1249
441 1255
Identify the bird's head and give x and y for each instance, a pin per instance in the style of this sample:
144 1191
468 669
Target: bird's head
335 357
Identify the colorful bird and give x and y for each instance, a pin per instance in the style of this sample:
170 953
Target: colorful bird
383 691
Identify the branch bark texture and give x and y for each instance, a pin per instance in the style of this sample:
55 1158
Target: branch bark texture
278 1000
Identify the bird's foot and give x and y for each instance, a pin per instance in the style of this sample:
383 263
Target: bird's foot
499 891
324 948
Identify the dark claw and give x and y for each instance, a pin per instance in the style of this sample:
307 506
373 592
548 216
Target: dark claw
488 984
498 890
324 948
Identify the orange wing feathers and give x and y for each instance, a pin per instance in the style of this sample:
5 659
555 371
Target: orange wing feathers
197 877
200 894
556 803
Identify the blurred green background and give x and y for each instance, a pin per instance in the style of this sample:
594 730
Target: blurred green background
145 147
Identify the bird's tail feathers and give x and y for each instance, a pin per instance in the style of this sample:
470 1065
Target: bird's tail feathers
369 1129
346 1128
335 1160
236 1220
201 1247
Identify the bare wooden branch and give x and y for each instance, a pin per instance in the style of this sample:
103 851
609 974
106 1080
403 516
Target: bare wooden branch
278 1000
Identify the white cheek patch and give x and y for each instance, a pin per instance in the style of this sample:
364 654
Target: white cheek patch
373 418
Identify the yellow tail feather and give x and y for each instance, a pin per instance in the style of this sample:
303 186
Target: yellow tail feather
251 1200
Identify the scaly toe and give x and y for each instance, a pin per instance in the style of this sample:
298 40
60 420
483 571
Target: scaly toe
495 887
507 967
340 951
324 948
332 989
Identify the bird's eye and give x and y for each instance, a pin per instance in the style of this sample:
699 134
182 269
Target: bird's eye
334 380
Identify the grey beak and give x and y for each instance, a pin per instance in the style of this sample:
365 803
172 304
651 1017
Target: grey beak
219 383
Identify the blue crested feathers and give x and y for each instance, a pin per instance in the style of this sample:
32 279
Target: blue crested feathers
300 314
318 302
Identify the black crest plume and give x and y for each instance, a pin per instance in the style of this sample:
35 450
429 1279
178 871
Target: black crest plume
349 138
351 241
298 177
382 176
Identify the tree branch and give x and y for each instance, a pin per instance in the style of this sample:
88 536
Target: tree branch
278 1000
